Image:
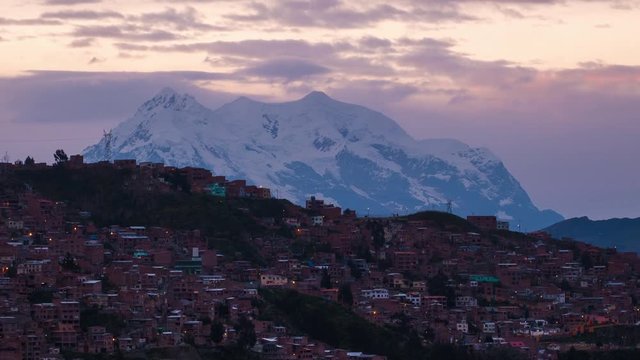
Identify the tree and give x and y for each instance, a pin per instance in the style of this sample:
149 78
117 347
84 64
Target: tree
222 310
572 354
12 271
39 296
189 339
325 282
93 316
488 339
565 286
377 234
345 295
217 332
355 271
60 157
29 161
178 181
586 261
246 332
439 285
69 263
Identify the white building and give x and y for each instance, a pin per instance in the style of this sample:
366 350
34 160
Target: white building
375 293
502 225
15 224
463 327
488 327
415 299
466 301
31 267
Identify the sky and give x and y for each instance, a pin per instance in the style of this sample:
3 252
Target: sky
552 87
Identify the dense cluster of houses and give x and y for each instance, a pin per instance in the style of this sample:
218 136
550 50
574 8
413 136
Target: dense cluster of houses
157 177
70 286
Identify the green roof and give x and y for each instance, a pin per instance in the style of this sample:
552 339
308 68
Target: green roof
217 190
484 278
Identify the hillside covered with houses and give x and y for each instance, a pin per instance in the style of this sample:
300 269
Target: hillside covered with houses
134 260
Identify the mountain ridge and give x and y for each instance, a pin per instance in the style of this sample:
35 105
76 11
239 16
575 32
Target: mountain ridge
622 233
348 154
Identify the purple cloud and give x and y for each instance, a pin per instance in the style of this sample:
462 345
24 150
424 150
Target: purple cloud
81 15
257 49
128 32
71 2
374 43
435 57
95 60
78 43
50 97
336 13
287 69
189 18
28 22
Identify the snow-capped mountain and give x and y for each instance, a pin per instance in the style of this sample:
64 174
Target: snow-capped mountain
347 154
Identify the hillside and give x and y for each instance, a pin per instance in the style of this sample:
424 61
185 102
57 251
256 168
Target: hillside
275 277
623 234
113 196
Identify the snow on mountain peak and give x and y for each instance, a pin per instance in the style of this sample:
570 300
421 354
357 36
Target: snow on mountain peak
243 100
321 146
317 96
166 91
168 98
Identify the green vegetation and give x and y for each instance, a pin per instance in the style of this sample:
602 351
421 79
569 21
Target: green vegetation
325 281
107 285
95 317
620 335
184 352
113 197
217 332
345 295
275 208
377 232
624 354
339 327
69 263
72 355
438 285
41 296
246 333
336 325
60 157
444 220
303 249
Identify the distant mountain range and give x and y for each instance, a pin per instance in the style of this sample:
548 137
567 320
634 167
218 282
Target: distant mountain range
347 154
624 234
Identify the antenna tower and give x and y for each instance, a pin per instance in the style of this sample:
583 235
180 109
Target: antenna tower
449 207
